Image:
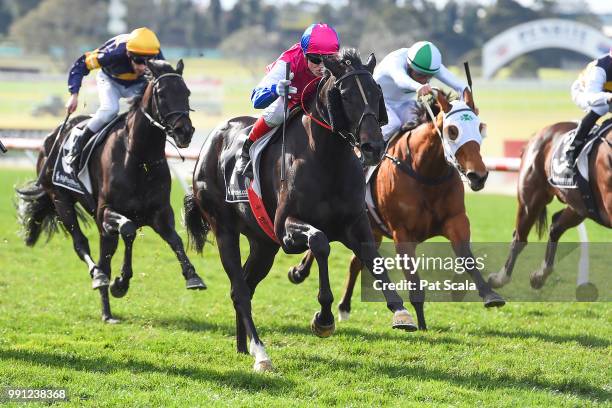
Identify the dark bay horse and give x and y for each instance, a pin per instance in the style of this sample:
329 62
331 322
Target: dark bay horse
130 181
320 201
419 194
535 193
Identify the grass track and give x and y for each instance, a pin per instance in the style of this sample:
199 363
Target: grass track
176 347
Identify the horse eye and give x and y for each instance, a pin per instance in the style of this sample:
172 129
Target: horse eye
452 131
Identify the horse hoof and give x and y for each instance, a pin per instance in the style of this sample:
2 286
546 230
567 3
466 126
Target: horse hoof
262 366
343 315
498 280
294 276
538 278
99 279
322 330
403 320
587 292
110 320
493 299
117 288
195 283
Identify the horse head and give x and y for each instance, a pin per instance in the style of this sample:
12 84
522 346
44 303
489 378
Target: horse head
462 134
170 101
355 102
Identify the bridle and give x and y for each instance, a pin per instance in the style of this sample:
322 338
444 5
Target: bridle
350 136
162 119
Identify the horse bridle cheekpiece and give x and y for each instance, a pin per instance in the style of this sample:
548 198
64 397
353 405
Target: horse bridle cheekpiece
162 122
338 120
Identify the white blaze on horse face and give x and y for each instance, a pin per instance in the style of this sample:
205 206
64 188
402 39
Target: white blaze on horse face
468 124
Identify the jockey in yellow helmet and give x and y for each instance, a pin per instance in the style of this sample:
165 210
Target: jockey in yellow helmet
122 60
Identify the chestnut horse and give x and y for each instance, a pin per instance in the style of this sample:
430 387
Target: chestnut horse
419 194
535 193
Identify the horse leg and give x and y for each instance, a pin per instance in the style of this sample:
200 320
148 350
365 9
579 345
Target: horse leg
356 238
67 215
457 231
297 274
531 208
298 233
115 223
561 222
108 246
229 251
163 224
256 268
405 246
344 307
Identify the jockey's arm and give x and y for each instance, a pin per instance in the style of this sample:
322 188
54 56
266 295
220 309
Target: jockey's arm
403 80
594 81
265 92
448 78
88 62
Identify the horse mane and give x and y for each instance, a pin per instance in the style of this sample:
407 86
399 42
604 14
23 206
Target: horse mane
421 111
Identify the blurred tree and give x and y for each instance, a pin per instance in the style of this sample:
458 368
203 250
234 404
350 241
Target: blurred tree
61 28
11 10
251 46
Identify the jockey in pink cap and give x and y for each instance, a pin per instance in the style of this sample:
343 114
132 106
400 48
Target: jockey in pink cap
306 64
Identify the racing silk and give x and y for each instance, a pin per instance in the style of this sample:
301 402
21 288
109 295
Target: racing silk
265 92
595 81
112 58
397 86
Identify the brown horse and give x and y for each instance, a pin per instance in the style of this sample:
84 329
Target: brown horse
419 194
535 193
130 181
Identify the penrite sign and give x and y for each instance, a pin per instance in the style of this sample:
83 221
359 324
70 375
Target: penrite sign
539 34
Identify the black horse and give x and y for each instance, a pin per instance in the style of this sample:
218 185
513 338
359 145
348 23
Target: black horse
130 182
321 200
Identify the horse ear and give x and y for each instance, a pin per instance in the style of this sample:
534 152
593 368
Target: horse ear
152 67
337 117
180 66
371 63
332 63
383 119
443 102
469 98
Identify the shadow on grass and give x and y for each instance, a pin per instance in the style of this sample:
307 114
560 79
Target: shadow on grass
247 381
192 325
477 381
585 340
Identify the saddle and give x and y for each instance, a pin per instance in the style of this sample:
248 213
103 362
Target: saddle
238 187
62 171
563 176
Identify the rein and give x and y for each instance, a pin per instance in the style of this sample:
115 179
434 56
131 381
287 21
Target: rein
350 137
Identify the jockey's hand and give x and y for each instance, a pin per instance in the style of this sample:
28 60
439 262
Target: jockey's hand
424 89
284 85
72 103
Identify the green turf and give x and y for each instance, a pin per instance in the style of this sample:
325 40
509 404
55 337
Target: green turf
176 348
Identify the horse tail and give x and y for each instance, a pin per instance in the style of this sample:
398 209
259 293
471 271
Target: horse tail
197 227
542 223
35 212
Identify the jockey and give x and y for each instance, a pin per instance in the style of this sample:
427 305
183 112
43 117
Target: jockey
123 62
592 92
404 75
306 65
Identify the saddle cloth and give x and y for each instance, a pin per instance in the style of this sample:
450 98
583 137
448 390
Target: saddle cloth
62 171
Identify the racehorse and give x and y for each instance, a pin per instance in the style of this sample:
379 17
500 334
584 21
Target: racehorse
418 194
320 201
535 193
130 181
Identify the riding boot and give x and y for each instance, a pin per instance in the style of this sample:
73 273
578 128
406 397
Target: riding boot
80 140
582 132
242 166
